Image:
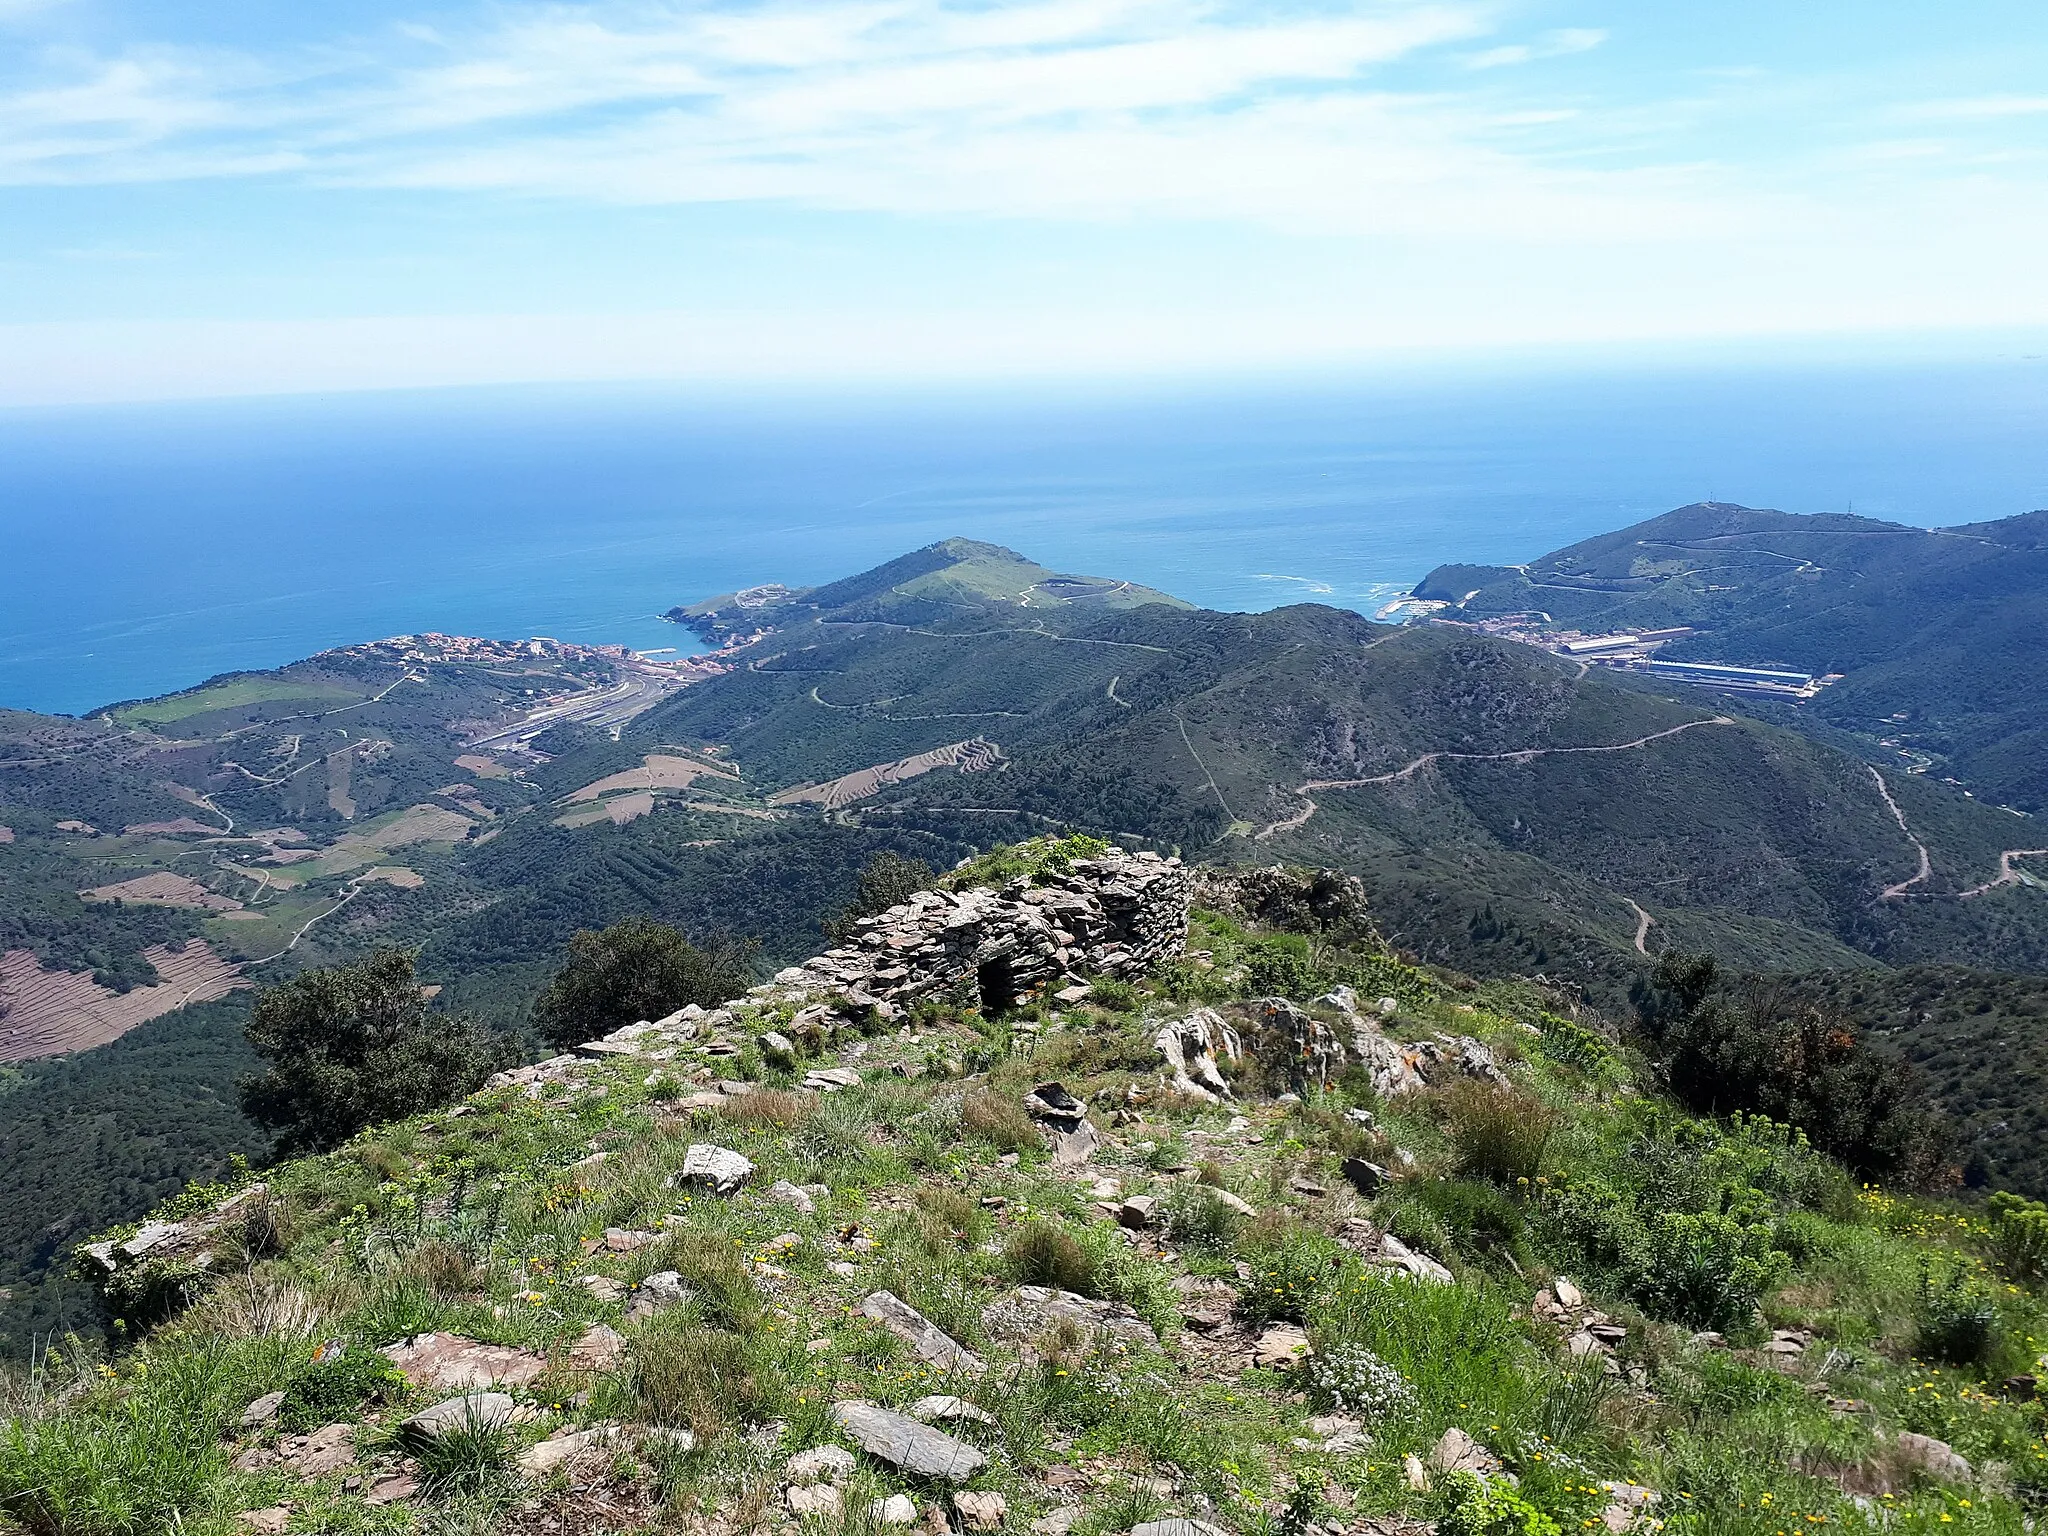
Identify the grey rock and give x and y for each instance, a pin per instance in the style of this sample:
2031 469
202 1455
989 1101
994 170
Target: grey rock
897 1509
906 1444
777 1048
945 1406
717 1169
782 1192
820 1464
925 1338
1365 1176
981 1511
262 1411
1178 1526
813 1499
540 1459
472 1410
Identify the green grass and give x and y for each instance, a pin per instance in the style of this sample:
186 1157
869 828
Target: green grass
480 1225
236 693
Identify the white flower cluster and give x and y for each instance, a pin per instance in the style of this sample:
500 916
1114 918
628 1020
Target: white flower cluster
1355 1378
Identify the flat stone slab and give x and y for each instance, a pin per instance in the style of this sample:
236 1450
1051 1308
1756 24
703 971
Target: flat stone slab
480 1410
451 1362
930 1343
1033 1309
906 1444
1176 1527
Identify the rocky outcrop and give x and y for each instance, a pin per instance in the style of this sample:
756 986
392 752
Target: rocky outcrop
1118 915
1297 900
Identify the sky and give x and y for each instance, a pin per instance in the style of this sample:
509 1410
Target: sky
207 197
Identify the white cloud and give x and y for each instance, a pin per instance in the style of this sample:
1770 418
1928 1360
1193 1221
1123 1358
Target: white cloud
1551 45
1053 108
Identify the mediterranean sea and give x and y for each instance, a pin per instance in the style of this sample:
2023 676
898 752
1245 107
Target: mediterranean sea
146 548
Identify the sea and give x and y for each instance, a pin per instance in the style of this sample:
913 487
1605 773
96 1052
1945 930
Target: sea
145 548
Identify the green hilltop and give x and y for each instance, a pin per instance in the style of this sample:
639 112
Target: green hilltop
1276 1233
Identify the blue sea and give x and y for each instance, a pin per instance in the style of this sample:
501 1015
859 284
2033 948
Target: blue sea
145 548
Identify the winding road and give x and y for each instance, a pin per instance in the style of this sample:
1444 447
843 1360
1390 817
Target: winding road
1523 755
1894 892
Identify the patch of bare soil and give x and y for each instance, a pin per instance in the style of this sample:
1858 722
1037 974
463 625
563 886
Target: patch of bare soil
164 889
46 1013
657 771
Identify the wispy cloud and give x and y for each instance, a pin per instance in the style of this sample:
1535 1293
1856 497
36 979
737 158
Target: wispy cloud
1063 108
1980 107
1549 46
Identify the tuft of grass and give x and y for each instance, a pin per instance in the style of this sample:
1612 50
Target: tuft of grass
1498 1134
1041 1254
700 1379
469 1461
768 1109
998 1120
1197 1220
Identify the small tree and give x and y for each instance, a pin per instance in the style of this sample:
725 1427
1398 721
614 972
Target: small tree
354 1045
635 969
886 880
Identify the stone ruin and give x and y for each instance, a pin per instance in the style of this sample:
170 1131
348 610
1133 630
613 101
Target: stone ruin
1118 915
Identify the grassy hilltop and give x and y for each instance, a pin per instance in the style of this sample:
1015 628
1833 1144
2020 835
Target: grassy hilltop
1532 1295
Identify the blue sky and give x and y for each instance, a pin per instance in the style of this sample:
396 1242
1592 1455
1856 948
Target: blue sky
253 195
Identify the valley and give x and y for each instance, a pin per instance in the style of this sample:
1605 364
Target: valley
1509 812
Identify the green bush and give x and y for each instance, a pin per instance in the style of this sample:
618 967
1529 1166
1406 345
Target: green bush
2019 1236
1955 1317
1465 1505
1279 965
1706 1269
335 1385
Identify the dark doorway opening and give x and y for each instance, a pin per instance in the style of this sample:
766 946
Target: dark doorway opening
996 980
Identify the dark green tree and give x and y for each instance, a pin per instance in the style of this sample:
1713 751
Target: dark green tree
356 1045
886 880
1759 1048
635 969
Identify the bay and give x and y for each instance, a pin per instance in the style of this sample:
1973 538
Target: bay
145 548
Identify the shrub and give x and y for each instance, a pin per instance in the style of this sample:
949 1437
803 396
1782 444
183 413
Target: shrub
335 1384
1706 1270
2019 1236
356 1045
1955 1317
1353 1377
1197 1219
1044 1255
1761 1048
1279 965
1466 1505
998 1120
1498 1133
886 880
635 969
